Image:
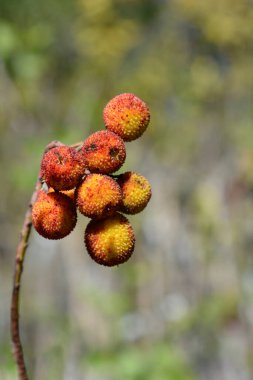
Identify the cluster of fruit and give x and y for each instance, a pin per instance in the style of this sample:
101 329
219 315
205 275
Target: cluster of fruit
81 178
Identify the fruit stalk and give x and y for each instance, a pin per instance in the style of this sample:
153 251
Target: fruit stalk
18 270
15 302
109 236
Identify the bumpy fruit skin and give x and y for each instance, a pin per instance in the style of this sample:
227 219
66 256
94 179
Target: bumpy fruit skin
126 115
103 152
54 215
110 241
98 196
136 192
62 168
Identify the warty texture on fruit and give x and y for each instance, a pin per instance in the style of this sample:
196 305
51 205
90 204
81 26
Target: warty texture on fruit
53 215
62 168
103 152
126 115
98 196
110 241
136 192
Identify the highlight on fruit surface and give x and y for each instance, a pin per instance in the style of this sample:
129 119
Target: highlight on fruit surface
53 215
103 152
127 115
98 196
110 241
62 168
136 192
70 193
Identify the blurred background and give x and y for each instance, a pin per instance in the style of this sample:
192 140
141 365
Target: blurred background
182 307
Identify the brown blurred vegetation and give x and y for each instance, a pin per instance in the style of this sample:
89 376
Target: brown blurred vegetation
182 307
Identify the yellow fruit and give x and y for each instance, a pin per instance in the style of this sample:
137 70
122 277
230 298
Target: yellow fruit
136 192
98 196
110 241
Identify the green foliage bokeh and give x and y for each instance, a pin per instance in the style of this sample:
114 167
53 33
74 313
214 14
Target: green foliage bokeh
191 61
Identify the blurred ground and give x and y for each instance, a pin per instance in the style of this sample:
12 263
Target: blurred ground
182 307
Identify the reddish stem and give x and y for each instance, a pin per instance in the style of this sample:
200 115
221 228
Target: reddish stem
20 255
19 262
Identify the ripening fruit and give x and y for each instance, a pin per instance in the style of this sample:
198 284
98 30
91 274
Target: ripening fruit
62 168
70 193
136 192
126 115
103 152
110 241
53 215
98 196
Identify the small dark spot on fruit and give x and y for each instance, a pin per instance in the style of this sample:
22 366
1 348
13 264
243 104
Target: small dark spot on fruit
114 152
91 148
60 158
140 183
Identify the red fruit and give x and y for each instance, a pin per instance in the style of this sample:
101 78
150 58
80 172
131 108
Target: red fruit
110 241
62 168
53 215
98 196
126 115
103 152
